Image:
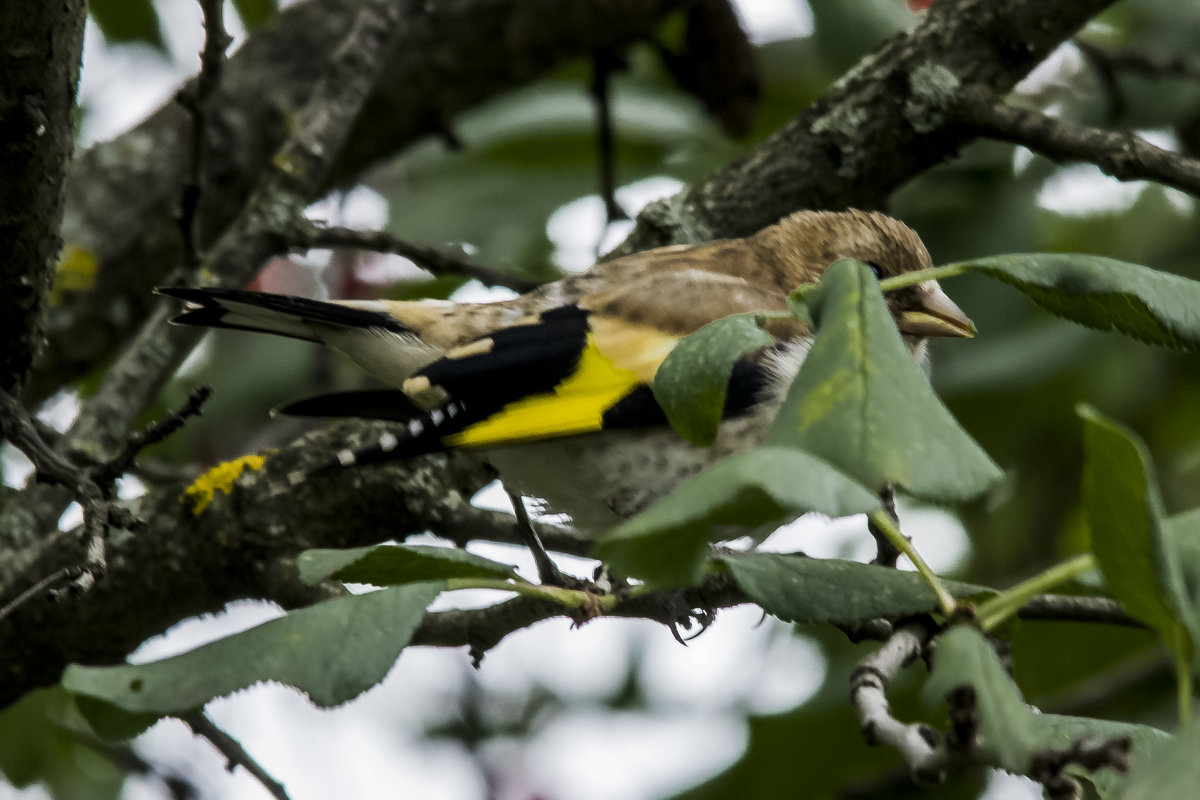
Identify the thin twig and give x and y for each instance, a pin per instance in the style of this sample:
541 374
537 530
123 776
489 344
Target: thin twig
195 99
1078 608
886 553
92 485
604 63
432 259
1124 156
235 755
921 747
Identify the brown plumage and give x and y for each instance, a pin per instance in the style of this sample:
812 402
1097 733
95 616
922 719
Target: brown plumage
553 385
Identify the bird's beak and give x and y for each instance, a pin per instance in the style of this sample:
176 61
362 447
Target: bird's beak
935 314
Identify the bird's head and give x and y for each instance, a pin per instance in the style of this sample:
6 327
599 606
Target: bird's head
801 247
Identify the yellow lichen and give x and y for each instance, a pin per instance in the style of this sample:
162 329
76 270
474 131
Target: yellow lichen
75 272
218 479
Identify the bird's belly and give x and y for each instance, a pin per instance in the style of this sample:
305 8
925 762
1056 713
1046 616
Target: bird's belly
604 478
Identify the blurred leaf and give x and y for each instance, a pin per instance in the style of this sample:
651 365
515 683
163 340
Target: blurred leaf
861 403
963 657
391 565
1058 732
667 543
254 12
127 21
43 739
1182 534
332 651
1172 772
1151 306
811 590
691 382
1124 514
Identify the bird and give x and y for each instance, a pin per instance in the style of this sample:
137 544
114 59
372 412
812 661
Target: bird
554 387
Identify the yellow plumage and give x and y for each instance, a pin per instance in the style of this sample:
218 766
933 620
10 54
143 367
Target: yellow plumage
576 405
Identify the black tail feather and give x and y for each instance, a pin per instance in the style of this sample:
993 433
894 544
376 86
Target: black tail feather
389 404
213 306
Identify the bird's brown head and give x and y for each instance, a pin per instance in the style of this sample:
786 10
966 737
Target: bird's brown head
799 248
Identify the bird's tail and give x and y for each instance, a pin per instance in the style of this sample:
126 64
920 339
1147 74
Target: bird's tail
279 314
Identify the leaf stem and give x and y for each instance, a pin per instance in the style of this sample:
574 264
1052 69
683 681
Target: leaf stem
1183 684
996 610
933 274
571 598
888 526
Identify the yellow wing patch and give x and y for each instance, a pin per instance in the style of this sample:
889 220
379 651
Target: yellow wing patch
640 349
576 405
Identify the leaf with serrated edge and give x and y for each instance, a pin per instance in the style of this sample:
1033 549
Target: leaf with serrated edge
666 544
392 565
690 384
815 590
963 657
332 651
1124 515
1149 305
862 404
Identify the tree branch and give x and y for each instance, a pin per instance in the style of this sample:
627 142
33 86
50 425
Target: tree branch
879 126
235 755
435 260
37 127
274 209
1124 156
921 747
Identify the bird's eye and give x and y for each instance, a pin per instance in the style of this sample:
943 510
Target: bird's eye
876 270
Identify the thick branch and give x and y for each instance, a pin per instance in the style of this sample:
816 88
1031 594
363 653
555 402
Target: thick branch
182 562
878 127
1124 156
40 64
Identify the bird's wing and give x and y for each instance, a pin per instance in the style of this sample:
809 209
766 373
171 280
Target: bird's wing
583 367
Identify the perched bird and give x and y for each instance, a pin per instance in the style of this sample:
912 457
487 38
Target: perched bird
553 386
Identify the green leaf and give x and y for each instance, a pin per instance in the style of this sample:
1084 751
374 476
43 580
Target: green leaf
862 404
814 590
43 739
1058 732
391 565
963 657
332 651
691 382
1182 533
1124 514
254 12
667 543
127 21
1149 305
1172 773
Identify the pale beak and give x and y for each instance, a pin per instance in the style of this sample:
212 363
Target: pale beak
935 314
